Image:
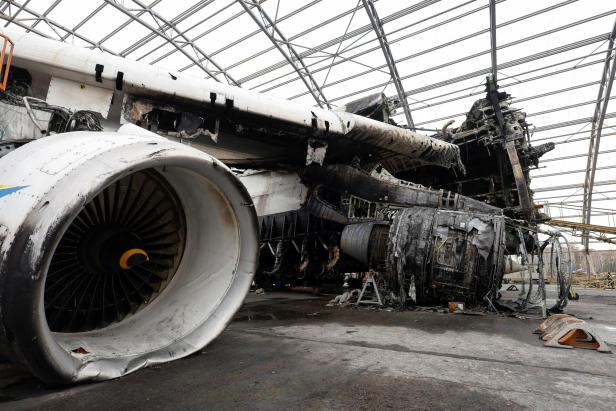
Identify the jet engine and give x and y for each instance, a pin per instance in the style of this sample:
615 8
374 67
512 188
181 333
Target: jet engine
118 251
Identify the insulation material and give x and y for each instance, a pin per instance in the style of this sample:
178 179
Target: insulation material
16 125
274 191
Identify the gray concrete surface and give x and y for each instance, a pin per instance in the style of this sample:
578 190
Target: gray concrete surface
290 351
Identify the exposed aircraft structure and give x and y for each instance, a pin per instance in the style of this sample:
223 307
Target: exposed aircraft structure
443 243
127 239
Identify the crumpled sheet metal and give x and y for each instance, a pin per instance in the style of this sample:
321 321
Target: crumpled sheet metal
416 148
566 331
408 250
387 190
34 52
427 245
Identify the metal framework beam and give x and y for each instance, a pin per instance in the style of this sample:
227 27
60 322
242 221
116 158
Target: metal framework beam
159 32
197 37
603 98
556 203
128 21
548 160
289 52
53 25
594 214
351 34
470 36
272 47
568 172
357 44
14 15
175 20
569 135
423 30
482 72
569 123
572 186
84 21
565 196
247 36
587 227
537 113
45 13
493 40
423 104
377 26
576 206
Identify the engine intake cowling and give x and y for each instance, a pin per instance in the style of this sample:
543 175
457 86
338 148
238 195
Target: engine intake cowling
118 251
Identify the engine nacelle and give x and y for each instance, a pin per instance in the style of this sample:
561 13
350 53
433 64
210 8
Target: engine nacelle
118 251
433 255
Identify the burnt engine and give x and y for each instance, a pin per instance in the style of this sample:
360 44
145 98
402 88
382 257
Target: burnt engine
432 234
495 148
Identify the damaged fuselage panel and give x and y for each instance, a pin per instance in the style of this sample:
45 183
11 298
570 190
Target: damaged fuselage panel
131 194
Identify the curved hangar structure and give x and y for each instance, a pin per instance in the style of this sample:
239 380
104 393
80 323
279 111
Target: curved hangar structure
122 248
108 261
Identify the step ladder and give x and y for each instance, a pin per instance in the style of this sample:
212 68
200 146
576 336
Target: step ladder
370 296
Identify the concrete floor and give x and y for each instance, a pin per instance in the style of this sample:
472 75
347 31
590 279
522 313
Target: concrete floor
290 351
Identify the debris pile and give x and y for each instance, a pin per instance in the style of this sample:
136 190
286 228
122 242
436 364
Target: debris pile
566 331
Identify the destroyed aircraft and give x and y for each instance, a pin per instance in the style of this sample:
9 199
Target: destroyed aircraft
137 205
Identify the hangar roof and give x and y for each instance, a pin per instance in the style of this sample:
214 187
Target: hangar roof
555 57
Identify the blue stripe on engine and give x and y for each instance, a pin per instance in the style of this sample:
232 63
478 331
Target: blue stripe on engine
10 190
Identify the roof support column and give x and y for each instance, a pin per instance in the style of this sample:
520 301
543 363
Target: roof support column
391 64
605 89
292 56
493 39
160 32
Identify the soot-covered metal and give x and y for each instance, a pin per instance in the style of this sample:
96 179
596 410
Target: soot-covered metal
431 234
320 193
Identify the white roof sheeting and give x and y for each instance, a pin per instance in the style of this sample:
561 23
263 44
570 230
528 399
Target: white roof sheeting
551 57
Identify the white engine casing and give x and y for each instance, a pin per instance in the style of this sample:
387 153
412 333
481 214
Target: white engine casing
52 179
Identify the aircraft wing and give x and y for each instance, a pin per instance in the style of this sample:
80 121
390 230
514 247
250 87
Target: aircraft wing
241 127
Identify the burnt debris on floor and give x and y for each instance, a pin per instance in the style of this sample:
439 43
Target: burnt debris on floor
291 351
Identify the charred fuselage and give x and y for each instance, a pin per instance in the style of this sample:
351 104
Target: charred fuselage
134 201
433 234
